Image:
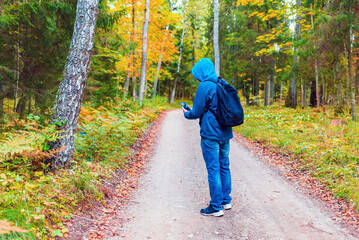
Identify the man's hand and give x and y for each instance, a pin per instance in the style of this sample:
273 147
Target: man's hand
184 110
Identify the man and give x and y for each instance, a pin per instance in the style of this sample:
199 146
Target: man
214 138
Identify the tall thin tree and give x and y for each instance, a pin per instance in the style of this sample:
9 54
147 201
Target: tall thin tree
315 62
155 83
70 94
132 60
142 88
217 57
291 100
173 93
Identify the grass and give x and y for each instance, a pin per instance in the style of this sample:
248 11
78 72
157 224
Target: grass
40 202
330 152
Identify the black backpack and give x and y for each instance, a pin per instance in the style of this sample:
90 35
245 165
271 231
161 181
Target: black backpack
229 109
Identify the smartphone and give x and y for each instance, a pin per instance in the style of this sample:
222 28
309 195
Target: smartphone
185 106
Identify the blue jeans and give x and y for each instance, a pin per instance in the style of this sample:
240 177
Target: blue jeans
215 154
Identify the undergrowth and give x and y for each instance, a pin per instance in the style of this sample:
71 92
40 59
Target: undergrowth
325 145
39 202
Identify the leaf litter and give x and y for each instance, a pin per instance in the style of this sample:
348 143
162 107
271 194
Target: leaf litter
291 168
98 221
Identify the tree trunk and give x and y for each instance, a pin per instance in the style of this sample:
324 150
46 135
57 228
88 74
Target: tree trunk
217 57
133 59
30 103
173 93
291 100
271 82
317 83
313 94
16 77
354 107
351 77
315 63
323 96
127 82
302 93
21 106
357 78
155 83
144 52
256 81
70 94
266 91
193 48
281 90
2 97
154 88
134 93
305 93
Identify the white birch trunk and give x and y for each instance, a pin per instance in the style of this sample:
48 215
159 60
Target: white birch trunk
155 83
154 89
144 52
217 57
173 93
70 94
134 93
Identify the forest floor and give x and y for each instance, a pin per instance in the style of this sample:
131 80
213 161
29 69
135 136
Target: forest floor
166 185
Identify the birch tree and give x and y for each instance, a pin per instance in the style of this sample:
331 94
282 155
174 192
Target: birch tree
173 93
132 58
155 83
217 57
67 106
351 80
144 52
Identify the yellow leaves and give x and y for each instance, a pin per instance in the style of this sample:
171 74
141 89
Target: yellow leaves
8 227
242 74
253 14
64 213
160 41
271 14
282 69
250 2
266 38
306 27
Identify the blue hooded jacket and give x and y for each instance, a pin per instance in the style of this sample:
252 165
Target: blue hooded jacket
206 96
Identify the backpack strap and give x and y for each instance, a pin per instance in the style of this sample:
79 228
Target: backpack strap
206 108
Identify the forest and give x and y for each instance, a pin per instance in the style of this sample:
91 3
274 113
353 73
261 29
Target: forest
81 81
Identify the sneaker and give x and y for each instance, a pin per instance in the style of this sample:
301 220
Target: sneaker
209 211
227 206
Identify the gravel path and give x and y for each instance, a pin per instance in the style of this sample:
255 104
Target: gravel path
175 188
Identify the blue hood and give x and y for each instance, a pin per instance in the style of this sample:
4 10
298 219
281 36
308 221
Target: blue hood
204 70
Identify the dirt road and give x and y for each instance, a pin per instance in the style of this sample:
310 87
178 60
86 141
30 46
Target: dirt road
175 188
